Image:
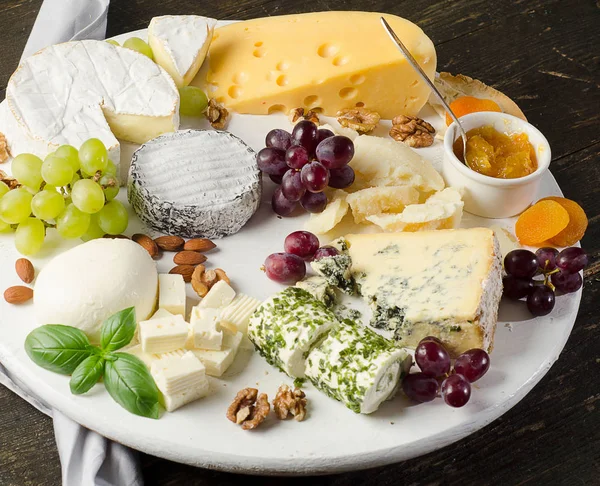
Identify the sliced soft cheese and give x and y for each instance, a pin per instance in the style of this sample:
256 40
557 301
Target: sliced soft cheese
238 312
377 200
381 161
212 188
217 362
220 295
180 43
445 283
70 92
163 335
204 329
327 60
171 293
92 281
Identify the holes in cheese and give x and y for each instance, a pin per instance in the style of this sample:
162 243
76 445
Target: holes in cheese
330 63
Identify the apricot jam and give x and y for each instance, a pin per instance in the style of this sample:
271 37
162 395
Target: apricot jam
496 154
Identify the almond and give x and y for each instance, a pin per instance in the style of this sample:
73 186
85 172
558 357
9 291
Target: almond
18 294
199 244
25 270
185 271
170 243
188 258
197 284
147 243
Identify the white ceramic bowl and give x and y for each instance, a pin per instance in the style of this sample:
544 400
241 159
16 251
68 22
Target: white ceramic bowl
488 196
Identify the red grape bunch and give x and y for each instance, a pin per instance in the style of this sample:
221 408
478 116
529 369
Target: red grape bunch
433 359
560 271
304 163
300 247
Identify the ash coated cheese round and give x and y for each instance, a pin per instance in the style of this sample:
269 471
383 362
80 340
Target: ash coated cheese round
92 281
195 183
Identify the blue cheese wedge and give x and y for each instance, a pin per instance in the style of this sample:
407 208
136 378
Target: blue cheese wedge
163 335
445 283
319 288
337 269
285 326
195 183
357 367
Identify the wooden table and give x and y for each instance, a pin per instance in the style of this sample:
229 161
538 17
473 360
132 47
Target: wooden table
540 53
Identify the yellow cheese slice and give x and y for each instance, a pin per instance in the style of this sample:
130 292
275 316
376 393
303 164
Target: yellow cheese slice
325 60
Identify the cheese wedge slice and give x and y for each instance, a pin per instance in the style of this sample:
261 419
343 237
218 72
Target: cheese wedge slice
325 60
445 283
68 93
180 43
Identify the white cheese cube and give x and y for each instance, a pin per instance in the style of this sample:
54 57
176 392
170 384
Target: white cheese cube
163 335
220 295
217 362
171 293
237 314
160 313
180 377
204 332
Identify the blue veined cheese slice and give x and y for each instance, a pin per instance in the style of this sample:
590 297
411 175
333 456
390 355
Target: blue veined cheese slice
336 269
286 325
319 288
357 367
444 283
195 183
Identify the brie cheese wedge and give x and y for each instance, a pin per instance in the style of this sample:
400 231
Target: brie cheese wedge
180 43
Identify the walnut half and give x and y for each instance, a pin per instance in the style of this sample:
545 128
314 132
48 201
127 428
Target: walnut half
3 149
360 119
11 182
299 114
249 409
216 114
288 402
413 131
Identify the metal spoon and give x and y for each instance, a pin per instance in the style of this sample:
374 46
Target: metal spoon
421 73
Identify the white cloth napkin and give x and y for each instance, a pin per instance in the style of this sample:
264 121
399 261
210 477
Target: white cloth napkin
87 458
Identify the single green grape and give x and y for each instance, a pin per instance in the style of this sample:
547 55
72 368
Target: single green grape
113 218
15 206
93 156
57 171
113 42
87 196
71 154
47 205
94 231
140 46
29 237
72 223
4 227
111 168
193 101
27 169
110 185
3 188
50 188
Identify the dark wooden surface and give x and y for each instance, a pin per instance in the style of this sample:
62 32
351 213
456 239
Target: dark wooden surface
542 53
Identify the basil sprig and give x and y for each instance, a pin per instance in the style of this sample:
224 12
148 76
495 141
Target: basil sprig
67 350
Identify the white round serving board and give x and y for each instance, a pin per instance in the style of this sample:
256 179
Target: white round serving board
333 438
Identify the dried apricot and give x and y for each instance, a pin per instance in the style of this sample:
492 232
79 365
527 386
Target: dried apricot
578 222
469 104
542 221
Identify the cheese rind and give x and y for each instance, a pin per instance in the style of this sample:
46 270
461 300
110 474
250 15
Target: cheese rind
171 293
163 335
180 43
259 66
444 283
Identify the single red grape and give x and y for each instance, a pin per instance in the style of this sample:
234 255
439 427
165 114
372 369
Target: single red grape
420 387
472 364
325 251
432 358
314 202
456 390
301 243
305 134
296 157
567 282
324 133
516 288
546 258
278 138
540 301
282 205
432 338
291 186
335 152
285 268
341 178
272 161
572 260
315 177
521 263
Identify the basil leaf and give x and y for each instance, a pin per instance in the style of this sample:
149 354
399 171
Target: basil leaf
118 330
58 348
87 374
130 384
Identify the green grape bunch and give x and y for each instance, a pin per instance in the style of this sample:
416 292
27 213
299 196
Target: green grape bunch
71 191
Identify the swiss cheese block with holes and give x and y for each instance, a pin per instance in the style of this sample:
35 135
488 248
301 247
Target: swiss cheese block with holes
325 60
195 183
